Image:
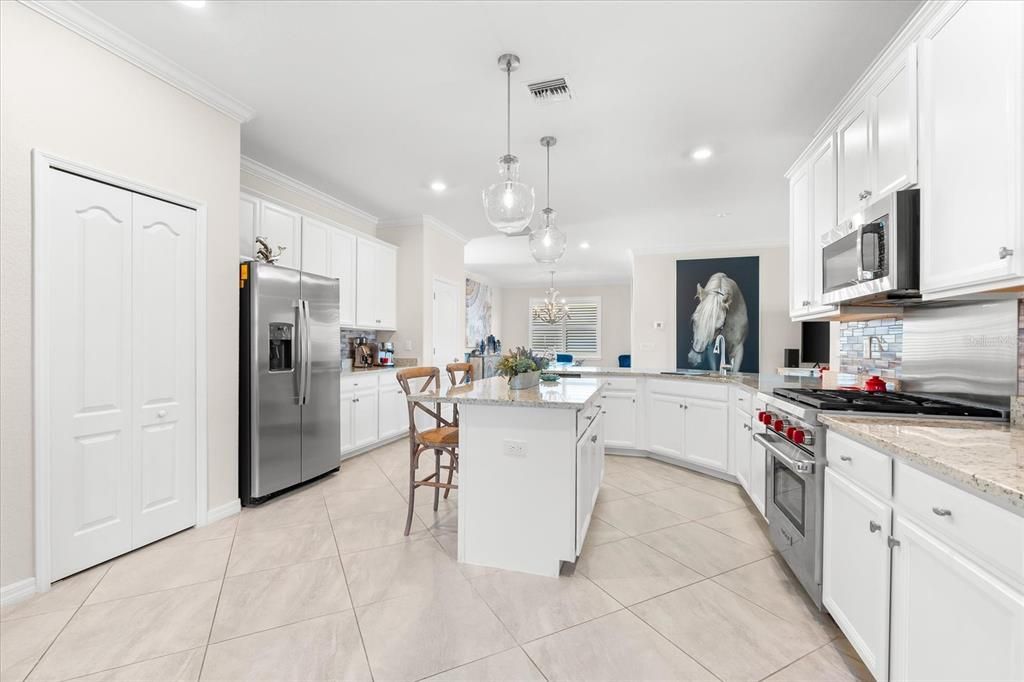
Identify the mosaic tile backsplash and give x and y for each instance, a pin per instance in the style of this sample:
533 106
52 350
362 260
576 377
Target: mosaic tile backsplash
885 336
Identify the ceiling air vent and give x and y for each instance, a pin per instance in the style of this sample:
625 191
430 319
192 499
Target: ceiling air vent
554 90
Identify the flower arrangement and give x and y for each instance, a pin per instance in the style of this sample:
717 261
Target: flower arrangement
521 361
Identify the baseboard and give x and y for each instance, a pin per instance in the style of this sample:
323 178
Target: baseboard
223 511
16 592
373 446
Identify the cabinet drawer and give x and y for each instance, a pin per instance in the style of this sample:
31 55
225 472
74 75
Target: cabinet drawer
619 384
744 401
585 417
694 388
869 468
350 384
979 528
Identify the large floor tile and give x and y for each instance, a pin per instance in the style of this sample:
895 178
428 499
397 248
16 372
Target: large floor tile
358 473
615 647
631 572
69 593
450 545
224 528
609 493
730 492
266 599
301 510
370 501
444 520
416 636
180 667
704 550
769 584
356 533
508 666
636 482
116 633
325 648
23 641
690 503
730 636
633 515
743 524
826 664
400 570
280 547
161 567
532 606
601 532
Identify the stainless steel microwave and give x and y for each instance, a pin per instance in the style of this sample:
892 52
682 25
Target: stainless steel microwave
875 257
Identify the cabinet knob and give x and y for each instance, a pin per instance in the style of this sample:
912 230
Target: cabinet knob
939 511
161 414
805 303
865 194
1004 253
593 439
874 527
846 458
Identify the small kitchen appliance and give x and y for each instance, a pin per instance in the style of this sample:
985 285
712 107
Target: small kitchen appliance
386 354
362 352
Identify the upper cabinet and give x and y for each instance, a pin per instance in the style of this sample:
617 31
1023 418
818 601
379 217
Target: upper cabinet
248 217
331 252
971 87
376 272
812 214
800 242
854 178
282 230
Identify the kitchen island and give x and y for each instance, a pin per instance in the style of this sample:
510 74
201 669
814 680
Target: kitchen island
530 467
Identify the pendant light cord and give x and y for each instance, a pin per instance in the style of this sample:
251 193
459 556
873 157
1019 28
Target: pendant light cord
549 177
508 109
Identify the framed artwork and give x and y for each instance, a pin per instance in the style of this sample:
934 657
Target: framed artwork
478 312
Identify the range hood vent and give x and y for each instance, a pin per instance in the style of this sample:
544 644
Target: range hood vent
553 90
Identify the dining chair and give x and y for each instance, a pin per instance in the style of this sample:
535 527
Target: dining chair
442 438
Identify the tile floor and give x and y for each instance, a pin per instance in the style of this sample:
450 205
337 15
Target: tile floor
677 582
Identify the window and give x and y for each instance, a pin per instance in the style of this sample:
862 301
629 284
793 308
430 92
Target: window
580 335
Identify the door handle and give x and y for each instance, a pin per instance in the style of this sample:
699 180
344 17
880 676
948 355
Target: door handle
846 458
874 527
307 352
300 348
1004 253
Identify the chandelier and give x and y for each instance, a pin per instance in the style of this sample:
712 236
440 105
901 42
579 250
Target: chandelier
554 310
508 204
547 244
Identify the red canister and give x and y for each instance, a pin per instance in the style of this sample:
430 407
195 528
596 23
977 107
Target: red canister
874 385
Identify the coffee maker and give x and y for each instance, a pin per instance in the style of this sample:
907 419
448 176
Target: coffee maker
362 352
386 354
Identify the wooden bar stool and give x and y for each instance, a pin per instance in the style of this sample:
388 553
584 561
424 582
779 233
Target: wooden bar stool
453 369
443 438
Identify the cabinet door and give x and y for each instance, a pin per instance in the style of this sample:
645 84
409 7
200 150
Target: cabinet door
248 221
619 418
971 149
706 433
856 570
282 229
758 477
348 409
741 447
393 418
852 161
823 215
583 478
386 303
665 424
364 417
893 105
799 242
366 283
342 266
316 238
951 620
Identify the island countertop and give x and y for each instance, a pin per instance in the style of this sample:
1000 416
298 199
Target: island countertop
569 394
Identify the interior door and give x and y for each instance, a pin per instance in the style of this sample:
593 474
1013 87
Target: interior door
90 387
449 304
164 368
321 444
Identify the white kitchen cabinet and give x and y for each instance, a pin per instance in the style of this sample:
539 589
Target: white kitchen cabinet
248 221
665 424
706 433
589 473
316 236
892 103
856 569
741 450
951 620
758 474
394 412
853 176
364 417
800 239
387 273
281 228
620 418
972 152
376 272
331 252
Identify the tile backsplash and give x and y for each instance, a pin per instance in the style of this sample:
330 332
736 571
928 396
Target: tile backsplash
885 336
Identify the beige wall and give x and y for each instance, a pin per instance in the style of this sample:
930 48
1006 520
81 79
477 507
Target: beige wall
65 96
615 305
306 203
654 300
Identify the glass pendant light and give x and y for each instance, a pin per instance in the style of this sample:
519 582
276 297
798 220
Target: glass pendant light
547 243
508 204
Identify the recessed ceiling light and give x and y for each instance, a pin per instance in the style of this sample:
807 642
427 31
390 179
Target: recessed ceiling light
701 153
438 186
194 4
584 245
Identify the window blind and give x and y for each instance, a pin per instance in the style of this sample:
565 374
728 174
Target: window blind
579 335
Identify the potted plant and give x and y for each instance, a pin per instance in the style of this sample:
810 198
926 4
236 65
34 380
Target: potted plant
522 367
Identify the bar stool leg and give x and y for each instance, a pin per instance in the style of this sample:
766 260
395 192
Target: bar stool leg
412 485
437 476
451 472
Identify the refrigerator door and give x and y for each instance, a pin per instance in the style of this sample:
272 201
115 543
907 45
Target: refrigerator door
275 331
321 406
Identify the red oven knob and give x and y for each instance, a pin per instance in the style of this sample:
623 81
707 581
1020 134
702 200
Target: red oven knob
780 425
767 418
798 436
761 416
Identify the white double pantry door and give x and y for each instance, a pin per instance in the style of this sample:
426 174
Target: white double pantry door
122 369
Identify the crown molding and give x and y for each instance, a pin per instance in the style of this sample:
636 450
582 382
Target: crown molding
425 221
911 30
78 19
733 248
278 178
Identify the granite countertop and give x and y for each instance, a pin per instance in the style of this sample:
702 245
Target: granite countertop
764 382
365 370
985 458
570 394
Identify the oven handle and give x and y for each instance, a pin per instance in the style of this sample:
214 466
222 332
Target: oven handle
797 466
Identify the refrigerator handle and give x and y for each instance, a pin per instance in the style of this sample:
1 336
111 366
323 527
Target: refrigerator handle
307 353
300 349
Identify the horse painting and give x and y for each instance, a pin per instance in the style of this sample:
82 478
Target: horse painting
721 310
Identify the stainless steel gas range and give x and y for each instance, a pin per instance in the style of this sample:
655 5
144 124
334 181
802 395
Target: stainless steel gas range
794 442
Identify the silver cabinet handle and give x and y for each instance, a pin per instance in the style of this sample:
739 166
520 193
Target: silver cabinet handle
593 439
939 511
1004 252
865 194
874 527
846 458
805 303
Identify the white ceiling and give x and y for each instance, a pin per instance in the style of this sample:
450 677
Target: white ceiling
370 102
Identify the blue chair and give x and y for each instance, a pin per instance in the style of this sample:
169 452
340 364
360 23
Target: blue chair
626 360
563 358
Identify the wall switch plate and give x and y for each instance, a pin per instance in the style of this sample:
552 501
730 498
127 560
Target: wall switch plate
408 344
515 448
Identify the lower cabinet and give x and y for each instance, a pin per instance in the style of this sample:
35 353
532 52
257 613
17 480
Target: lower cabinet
665 424
393 417
758 478
690 429
741 447
855 570
373 409
589 473
951 619
620 418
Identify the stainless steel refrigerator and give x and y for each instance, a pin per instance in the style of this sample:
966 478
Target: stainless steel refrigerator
289 379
